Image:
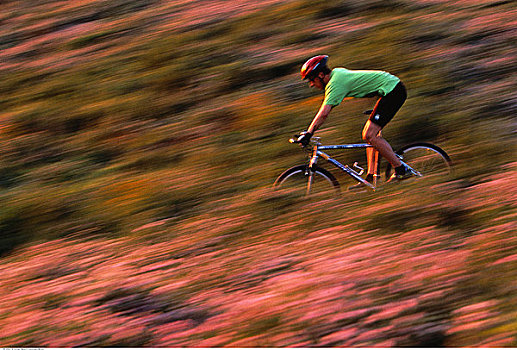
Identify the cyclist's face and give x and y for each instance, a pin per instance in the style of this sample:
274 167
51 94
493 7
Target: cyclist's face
317 82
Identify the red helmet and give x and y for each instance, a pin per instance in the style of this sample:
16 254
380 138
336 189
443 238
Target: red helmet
313 65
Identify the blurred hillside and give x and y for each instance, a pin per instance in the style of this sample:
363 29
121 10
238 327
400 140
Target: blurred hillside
140 139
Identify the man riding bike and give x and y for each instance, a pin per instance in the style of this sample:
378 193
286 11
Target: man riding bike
339 83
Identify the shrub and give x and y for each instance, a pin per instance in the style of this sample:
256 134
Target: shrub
11 231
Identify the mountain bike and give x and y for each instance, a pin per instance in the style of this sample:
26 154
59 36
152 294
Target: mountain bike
422 158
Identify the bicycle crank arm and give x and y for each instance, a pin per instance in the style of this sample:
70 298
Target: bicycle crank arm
356 176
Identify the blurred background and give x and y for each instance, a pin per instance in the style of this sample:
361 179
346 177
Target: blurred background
139 140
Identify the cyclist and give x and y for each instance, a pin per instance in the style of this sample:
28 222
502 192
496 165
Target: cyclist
339 83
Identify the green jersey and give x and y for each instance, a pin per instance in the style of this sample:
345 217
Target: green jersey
357 83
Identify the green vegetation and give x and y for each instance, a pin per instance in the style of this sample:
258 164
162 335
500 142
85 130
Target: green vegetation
133 120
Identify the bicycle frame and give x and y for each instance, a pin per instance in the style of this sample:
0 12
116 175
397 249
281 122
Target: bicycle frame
317 152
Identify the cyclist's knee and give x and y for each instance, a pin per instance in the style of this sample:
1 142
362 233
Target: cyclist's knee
371 132
368 136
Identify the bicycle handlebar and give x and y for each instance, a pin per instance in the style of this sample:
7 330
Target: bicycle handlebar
295 139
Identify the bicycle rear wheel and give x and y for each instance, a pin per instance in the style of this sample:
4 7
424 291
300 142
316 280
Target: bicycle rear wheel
298 179
426 158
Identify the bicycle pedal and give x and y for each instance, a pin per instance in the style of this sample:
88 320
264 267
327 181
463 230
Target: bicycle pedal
359 187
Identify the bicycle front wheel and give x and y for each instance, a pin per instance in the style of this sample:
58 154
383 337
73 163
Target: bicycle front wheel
426 158
300 179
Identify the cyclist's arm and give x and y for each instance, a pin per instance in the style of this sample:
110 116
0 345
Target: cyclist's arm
320 117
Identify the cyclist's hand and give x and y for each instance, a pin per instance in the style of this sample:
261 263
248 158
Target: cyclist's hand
304 138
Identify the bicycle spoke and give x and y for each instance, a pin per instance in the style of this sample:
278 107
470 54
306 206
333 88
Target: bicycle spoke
299 180
426 161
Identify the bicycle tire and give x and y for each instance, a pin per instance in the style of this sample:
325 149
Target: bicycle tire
323 177
426 158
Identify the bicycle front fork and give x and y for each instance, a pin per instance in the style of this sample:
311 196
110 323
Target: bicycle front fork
310 181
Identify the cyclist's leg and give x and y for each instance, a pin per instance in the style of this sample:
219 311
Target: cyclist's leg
383 112
371 134
372 155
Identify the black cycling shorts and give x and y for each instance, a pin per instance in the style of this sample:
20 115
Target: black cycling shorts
388 105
